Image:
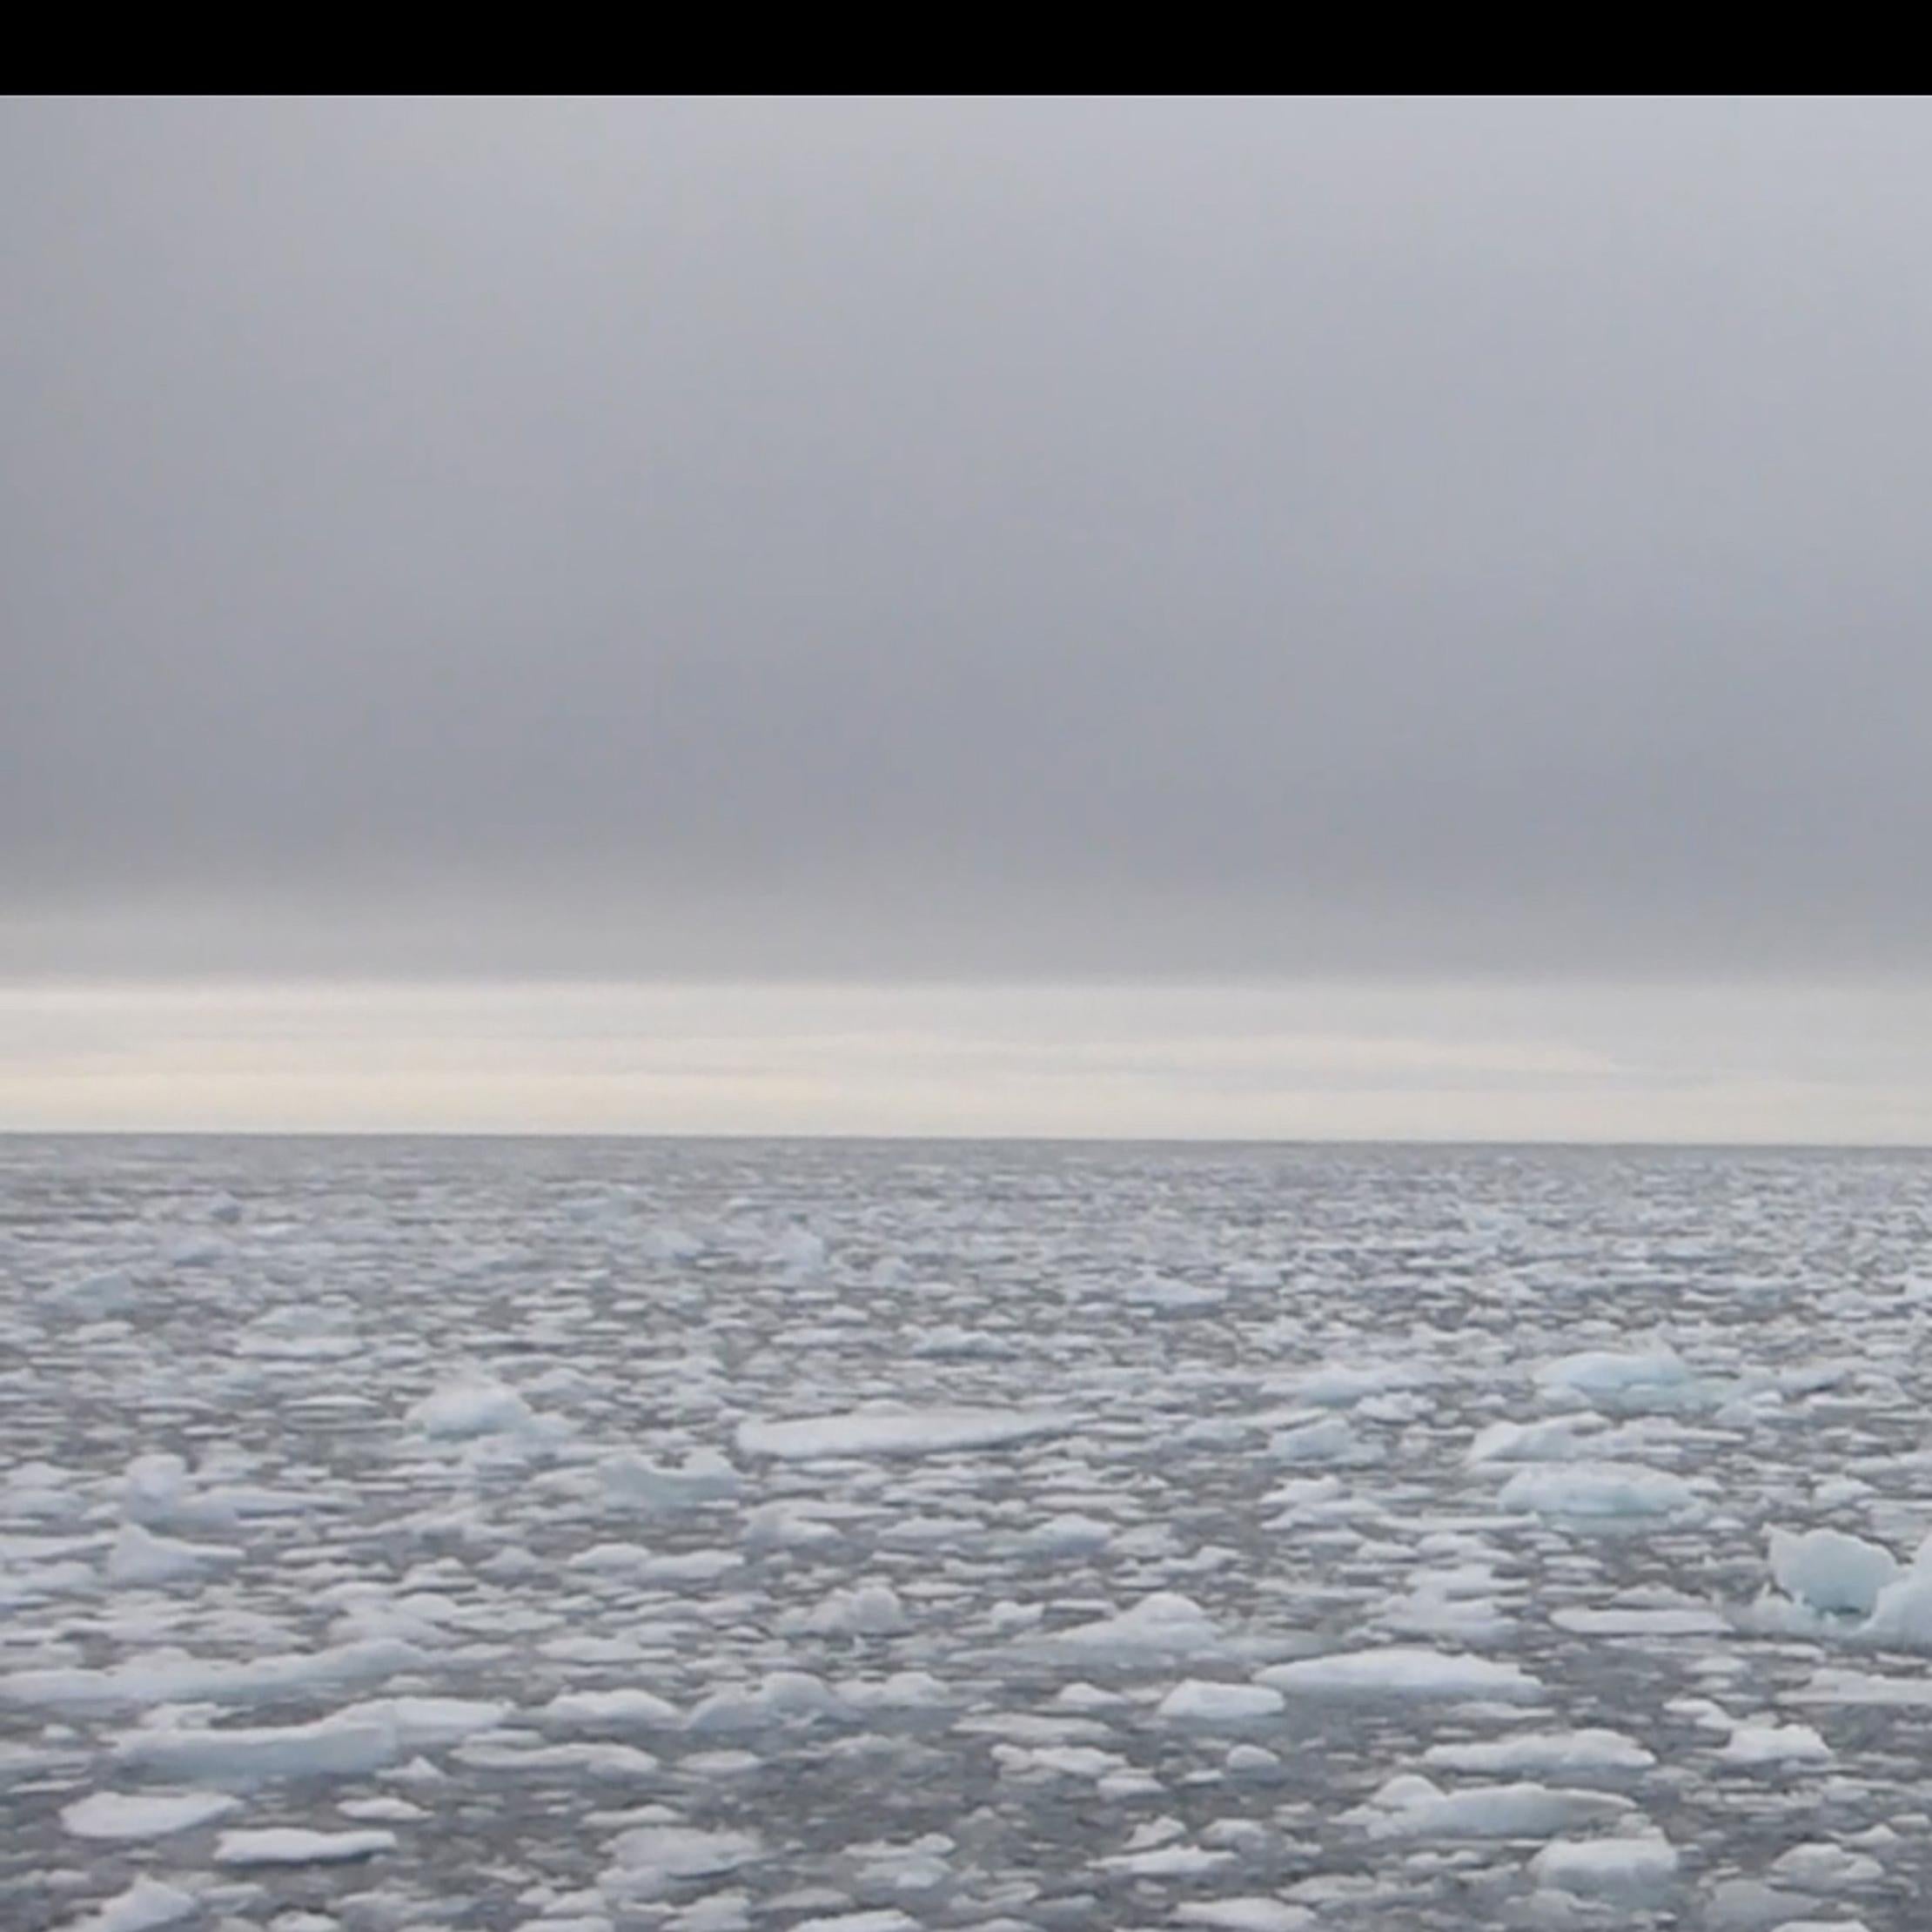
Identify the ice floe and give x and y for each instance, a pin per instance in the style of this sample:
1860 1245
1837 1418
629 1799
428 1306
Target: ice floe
1399 1672
898 1433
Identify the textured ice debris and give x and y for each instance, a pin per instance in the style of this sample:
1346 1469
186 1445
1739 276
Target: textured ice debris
169 1677
1342 1384
866 1610
610 1712
1768 1744
1165 1624
1682 1619
788 1526
1831 1571
139 1558
1820 1866
473 1405
883 1918
106 1292
1833 1685
144 1905
1411 1806
1901 1612
115 1816
631 1482
683 1639
680 1852
1630 1871
1597 1489
1200 1701
1557 1438
1554 1753
1167 1297
779 1697
1609 1377
897 1432
1331 1439
1401 1672
1068 1533
353 1741
294 1845
159 1491
1245 1914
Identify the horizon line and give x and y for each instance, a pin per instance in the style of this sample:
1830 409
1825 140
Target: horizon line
1435 1142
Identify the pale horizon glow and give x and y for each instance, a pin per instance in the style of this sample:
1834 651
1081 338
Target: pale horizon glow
1453 1062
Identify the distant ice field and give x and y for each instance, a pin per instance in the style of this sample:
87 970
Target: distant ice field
591 1536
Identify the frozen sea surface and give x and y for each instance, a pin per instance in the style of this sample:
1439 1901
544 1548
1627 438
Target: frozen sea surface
584 1536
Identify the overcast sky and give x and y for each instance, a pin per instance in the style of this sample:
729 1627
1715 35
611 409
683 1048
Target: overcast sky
1357 549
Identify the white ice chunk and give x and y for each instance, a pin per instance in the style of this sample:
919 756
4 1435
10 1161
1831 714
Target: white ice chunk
474 1405
352 1741
683 1851
139 1558
884 1918
1068 1534
1401 1672
1830 1569
1901 1613
780 1697
1164 1624
114 1815
1245 1914
1547 1753
1823 1866
1412 1807
1597 1489
146 1904
293 1845
610 1711
1330 1440
630 1482
1754 1744
1559 1438
1203 1700
171 1677
1622 1871
1598 1373
1342 1384
110 1291
866 1610
897 1432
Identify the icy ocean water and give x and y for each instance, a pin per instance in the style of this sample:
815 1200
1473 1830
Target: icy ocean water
402 1533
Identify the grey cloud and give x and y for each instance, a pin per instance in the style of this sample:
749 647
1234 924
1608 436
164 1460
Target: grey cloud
986 536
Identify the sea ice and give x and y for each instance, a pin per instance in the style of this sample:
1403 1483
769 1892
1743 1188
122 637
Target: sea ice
114 1815
294 1845
1331 1440
631 1482
1597 1489
1245 1914
141 1558
1411 1806
1831 1571
473 1405
1763 1744
1400 1672
897 1432
144 1905
1200 1701
1607 1375
1550 1752
1630 1871
610 1711
1164 1624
